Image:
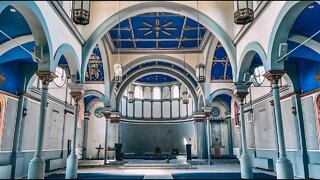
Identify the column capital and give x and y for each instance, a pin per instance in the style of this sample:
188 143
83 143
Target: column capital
115 117
199 116
107 112
240 89
46 76
77 91
207 110
274 75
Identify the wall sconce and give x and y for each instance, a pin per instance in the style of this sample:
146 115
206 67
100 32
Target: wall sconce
24 112
294 110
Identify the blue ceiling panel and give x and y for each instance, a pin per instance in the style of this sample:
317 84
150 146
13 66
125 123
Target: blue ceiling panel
18 53
229 72
308 71
302 52
87 99
158 31
95 71
217 70
225 97
146 44
169 44
189 44
307 22
63 60
156 78
220 53
13 24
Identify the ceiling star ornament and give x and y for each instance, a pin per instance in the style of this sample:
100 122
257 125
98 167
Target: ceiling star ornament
157 28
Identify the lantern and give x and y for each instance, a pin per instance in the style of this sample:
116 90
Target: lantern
130 94
81 12
200 73
243 12
185 99
117 73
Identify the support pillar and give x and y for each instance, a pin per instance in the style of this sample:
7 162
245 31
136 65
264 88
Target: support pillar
77 92
241 91
297 111
17 157
115 120
37 164
207 110
106 114
283 165
85 134
230 140
199 119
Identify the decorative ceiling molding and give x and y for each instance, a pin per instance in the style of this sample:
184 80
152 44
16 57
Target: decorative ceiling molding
8 45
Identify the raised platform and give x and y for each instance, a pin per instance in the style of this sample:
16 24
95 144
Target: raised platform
157 164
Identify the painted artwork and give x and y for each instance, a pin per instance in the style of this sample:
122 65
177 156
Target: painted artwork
2 116
236 115
317 109
81 114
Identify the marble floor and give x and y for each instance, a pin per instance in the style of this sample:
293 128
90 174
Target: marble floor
219 166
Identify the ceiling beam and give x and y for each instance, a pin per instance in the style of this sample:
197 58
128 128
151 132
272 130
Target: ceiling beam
182 31
191 39
132 34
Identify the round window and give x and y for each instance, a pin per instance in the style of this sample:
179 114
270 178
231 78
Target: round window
99 112
257 76
61 78
215 112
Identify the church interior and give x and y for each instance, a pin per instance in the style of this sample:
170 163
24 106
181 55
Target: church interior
159 89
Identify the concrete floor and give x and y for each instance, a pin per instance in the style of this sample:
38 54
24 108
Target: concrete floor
219 166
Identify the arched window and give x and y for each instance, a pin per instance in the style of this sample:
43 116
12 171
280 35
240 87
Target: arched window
317 109
138 92
2 115
175 92
81 114
156 93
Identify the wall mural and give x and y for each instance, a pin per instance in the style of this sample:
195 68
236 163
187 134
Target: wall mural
2 116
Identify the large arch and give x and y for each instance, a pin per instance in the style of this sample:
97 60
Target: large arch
39 29
225 91
169 7
158 70
70 55
281 29
247 56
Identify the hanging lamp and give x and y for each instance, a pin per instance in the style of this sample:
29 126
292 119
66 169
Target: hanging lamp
81 12
130 89
185 99
200 68
118 65
243 12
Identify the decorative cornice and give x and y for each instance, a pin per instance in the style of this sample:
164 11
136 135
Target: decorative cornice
274 75
46 76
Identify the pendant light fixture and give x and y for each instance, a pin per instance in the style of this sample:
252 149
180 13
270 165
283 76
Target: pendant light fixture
243 12
185 99
200 68
81 12
117 66
130 90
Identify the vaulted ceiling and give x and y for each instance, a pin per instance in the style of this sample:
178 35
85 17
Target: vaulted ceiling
157 31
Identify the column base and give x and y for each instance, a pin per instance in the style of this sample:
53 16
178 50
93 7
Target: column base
36 168
284 169
72 167
246 167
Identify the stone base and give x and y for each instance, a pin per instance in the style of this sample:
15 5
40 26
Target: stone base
246 167
72 167
36 168
284 169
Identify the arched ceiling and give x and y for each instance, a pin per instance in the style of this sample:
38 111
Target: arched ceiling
157 31
307 56
156 78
